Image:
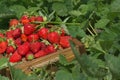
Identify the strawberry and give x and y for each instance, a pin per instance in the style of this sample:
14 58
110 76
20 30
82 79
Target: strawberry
64 41
43 32
54 37
23 37
33 37
63 32
1 35
50 49
39 18
9 34
16 57
43 46
24 19
18 41
35 47
16 33
32 18
29 56
10 49
3 46
23 49
29 29
40 54
13 22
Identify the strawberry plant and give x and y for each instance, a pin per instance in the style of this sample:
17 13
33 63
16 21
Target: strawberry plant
94 22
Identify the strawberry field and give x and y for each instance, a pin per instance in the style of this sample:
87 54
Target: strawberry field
32 29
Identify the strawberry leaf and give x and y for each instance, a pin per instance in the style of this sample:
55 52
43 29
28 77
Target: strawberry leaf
18 9
102 23
60 9
4 78
112 63
17 74
3 63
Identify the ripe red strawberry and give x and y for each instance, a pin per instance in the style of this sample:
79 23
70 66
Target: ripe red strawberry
10 49
39 18
64 41
43 46
16 57
3 46
18 41
1 35
35 47
54 37
24 19
50 49
29 56
13 22
43 32
16 33
23 37
63 32
23 49
29 29
33 37
9 34
40 54
32 18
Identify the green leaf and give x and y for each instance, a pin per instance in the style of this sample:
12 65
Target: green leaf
102 23
76 31
113 64
75 13
3 63
89 65
63 60
63 75
108 35
115 6
18 9
5 12
77 75
4 78
17 74
32 10
84 9
106 45
60 9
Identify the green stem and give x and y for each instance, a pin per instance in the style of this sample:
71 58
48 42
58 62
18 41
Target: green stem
93 29
57 23
90 32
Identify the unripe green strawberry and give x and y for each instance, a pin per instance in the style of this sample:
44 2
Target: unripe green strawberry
29 56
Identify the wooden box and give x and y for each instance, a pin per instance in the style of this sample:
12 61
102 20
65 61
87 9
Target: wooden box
48 59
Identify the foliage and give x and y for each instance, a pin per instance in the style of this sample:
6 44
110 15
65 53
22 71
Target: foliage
94 22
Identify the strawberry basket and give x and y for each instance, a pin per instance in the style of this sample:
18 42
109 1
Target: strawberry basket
30 43
51 58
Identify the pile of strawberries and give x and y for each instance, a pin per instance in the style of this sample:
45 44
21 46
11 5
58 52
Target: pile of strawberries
26 39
